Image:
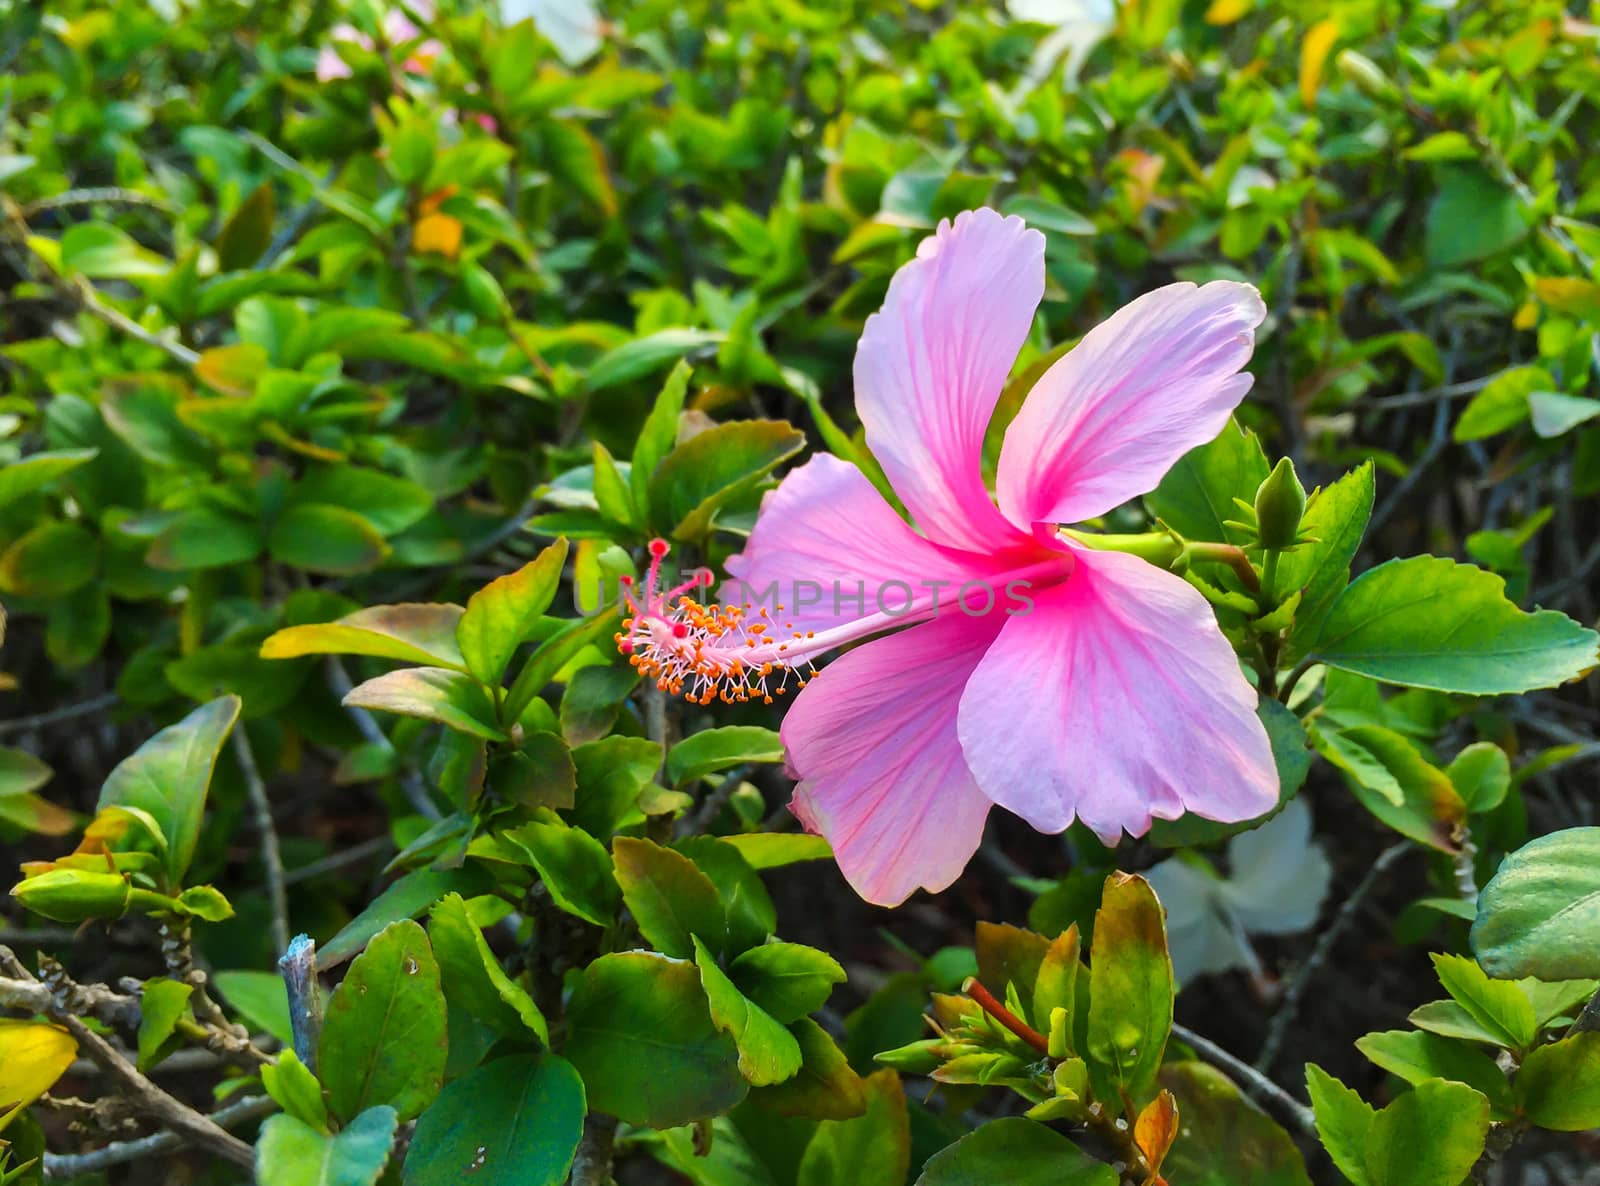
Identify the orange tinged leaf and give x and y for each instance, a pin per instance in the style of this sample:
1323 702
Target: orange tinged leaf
437 234
1156 1129
1314 52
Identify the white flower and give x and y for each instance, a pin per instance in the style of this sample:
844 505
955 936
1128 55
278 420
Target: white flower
1278 883
572 27
1080 26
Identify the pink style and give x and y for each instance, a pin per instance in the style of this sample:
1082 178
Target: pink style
1116 700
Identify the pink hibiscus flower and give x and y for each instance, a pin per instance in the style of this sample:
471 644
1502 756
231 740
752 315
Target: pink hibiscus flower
1056 681
398 29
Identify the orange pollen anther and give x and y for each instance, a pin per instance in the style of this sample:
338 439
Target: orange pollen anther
699 651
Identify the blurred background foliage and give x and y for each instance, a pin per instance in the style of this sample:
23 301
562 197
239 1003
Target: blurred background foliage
310 305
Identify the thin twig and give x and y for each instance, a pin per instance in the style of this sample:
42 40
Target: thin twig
591 1164
56 716
271 856
140 1092
73 1165
1285 1016
108 194
334 862
1249 1077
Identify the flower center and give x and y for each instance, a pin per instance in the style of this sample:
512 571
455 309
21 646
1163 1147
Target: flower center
737 653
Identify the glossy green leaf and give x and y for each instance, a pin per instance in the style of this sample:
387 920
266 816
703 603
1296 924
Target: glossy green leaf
414 633
713 468
641 356
1130 988
383 1034
296 1090
1428 622
500 615
38 470
788 980
774 850
162 1004
1417 1057
409 897
51 560
1345 1123
326 539
659 434
670 898
1430 1136
1223 1139
259 999
1017 1152
873 1149
1539 914
640 1033
767 1052
435 694
1558 1086
204 538
574 866
1499 1006
292 1153
512 1122
1336 518
826 1088
168 777
472 977
711 750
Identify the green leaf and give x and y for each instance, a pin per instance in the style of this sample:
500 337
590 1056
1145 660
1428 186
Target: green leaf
635 359
203 538
296 1090
1558 1086
1450 1020
500 615
389 503
408 897
767 1052
826 1088
1481 775
711 750
1503 402
51 560
326 539
1047 215
292 1153
788 980
1397 784
750 913
1428 622
574 867
1554 413
1500 1007
1018 1152
413 633
1540 913
670 898
162 1004
1345 1123
260 998
554 653
245 237
1417 1057
592 701
1223 1139
611 491
512 1122
1130 988
774 850
1430 1136
611 774
104 252
1472 217
1010 957
1056 984
168 777
473 979
21 772
659 434
1337 519
383 1035
713 468
38 470
873 1149
641 1035
451 698
1196 496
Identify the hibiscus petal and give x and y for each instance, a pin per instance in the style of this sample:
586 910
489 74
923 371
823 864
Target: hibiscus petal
1141 389
873 741
1117 699
932 363
830 549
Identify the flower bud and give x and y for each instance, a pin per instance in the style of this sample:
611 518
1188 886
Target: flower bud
1364 74
1280 501
918 1058
75 895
